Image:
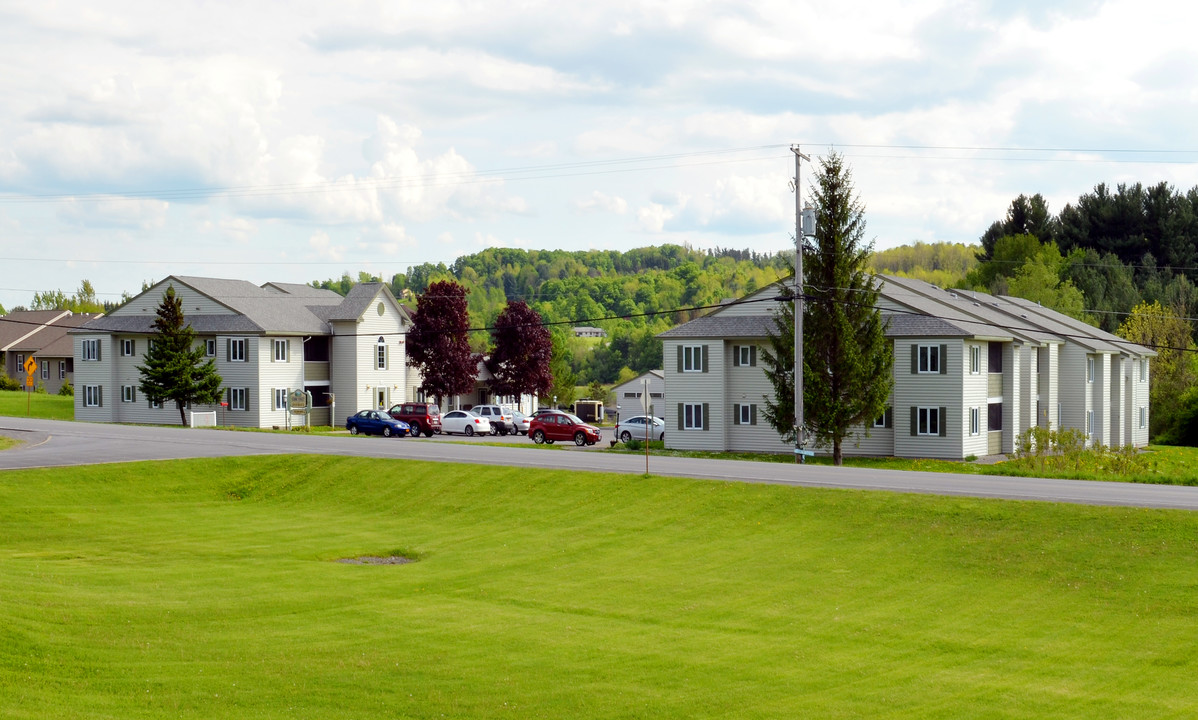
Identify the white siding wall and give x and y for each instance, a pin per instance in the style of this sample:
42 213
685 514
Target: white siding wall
695 387
974 394
1073 389
1120 365
355 376
1140 399
1012 395
913 390
272 375
1101 399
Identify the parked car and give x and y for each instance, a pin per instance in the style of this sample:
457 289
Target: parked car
423 417
501 419
553 426
521 421
634 428
376 422
464 422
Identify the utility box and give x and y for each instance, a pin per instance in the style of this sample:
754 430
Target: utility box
589 410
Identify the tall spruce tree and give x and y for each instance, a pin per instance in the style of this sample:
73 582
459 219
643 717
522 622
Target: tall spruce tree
847 361
175 368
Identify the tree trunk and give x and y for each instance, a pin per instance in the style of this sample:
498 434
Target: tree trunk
182 415
837 456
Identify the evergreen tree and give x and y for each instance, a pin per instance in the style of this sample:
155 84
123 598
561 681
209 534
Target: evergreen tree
439 343
519 359
847 361
779 363
175 368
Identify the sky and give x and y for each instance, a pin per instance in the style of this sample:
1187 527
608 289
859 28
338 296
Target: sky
297 141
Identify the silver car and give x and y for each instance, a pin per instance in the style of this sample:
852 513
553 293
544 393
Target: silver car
635 428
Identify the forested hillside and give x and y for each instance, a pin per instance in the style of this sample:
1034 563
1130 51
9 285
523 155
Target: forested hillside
631 295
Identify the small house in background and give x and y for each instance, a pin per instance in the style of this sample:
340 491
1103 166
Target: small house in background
589 410
586 331
630 397
42 335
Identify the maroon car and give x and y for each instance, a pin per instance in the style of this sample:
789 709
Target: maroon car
422 417
553 426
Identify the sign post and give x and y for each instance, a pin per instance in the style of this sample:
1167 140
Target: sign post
30 369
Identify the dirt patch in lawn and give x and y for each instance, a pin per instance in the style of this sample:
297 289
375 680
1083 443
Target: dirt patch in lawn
377 560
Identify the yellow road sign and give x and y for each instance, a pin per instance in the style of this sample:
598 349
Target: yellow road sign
30 366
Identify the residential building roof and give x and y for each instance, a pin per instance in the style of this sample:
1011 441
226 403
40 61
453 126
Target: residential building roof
41 331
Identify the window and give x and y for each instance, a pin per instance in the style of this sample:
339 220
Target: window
928 421
281 350
692 358
928 359
90 350
238 399
744 414
62 369
975 418
235 350
20 362
127 347
1089 422
280 399
155 404
382 353
1089 369
884 420
994 416
975 359
210 347
128 393
632 394
744 355
1143 417
1144 370
45 371
994 360
92 395
692 416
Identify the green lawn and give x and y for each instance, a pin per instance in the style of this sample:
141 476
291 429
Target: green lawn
208 588
38 405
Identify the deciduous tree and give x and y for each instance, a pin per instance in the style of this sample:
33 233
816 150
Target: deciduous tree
175 368
1174 370
439 343
521 353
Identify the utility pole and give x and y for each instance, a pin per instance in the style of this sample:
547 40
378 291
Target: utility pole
798 292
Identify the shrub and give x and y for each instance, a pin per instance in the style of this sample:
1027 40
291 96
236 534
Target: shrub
7 383
1041 449
67 390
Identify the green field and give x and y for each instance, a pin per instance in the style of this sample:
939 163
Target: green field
210 589
39 405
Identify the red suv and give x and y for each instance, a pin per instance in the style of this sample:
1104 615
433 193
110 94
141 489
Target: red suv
422 417
552 426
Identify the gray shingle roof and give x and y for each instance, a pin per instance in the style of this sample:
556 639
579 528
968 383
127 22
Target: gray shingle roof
746 326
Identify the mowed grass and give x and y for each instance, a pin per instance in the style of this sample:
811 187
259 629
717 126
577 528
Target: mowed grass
209 588
39 405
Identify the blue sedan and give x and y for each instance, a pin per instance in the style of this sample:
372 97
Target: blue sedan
371 422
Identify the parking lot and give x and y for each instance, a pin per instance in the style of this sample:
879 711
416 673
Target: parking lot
516 440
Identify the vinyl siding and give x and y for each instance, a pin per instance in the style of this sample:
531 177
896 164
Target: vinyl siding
929 390
743 309
1101 399
355 376
95 372
693 388
274 375
975 393
240 374
1013 393
1073 388
746 385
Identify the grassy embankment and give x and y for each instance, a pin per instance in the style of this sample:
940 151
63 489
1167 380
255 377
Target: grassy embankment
209 589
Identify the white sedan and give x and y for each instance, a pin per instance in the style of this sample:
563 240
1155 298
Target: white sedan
634 428
464 422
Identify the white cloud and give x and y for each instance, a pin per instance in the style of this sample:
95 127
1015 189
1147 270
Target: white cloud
115 212
602 203
325 248
653 217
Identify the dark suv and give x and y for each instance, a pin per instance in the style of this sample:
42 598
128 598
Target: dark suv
423 417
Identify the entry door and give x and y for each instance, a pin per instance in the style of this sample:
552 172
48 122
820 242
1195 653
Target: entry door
382 398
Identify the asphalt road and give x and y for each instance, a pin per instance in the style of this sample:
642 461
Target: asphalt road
50 443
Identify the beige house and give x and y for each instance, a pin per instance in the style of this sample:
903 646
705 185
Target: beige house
971 373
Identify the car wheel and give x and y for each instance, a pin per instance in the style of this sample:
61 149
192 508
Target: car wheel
538 437
580 438
353 429
662 437
469 430
625 436
503 432
386 431
415 428
429 433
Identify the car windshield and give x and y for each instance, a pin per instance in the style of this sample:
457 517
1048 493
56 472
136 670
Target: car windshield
574 419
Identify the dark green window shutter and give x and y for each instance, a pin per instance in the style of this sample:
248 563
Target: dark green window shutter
914 420
889 417
736 356
99 395
943 424
228 349
944 359
914 359
133 347
736 414
706 424
247 399
753 356
680 360
752 414
704 370
680 414
99 347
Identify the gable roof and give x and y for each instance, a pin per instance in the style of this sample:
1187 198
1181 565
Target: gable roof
40 331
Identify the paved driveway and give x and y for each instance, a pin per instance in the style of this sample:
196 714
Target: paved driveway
50 443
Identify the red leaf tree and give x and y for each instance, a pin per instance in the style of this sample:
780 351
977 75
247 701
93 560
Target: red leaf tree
438 342
519 361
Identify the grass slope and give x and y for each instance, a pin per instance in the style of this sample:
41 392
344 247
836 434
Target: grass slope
19 403
209 589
